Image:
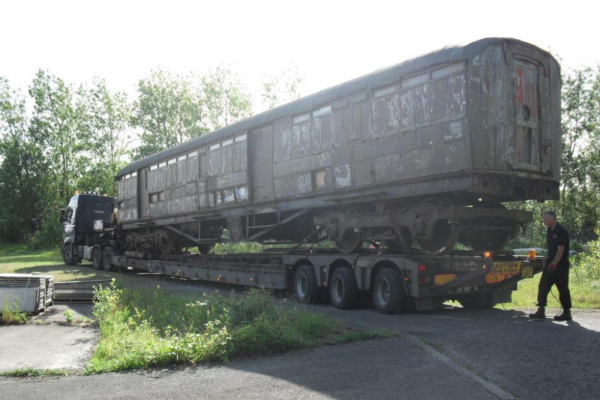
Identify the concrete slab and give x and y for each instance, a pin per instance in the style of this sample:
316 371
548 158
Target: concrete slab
56 313
45 346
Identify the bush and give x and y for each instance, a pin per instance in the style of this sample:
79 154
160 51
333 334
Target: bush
146 328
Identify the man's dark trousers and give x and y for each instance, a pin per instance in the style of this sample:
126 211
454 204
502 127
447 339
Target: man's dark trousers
560 278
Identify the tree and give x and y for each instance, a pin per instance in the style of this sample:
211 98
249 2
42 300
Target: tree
56 128
224 98
580 194
106 120
281 88
169 111
23 181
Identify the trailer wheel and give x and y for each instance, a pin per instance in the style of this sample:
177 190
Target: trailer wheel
306 289
388 293
343 289
69 255
107 255
476 301
97 258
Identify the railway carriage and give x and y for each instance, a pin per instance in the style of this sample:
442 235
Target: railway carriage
420 155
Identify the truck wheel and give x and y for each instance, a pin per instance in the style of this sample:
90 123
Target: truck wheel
97 258
107 255
69 255
343 289
389 296
476 301
306 289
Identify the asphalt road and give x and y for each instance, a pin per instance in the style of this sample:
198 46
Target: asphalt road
449 354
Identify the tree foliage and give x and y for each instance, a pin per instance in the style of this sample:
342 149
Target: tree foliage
281 88
168 111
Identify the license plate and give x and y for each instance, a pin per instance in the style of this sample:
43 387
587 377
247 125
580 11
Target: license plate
527 272
507 268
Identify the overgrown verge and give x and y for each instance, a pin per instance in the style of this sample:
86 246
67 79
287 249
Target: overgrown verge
148 328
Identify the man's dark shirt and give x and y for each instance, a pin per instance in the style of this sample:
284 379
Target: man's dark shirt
558 237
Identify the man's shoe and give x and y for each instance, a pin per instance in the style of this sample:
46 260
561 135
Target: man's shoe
539 314
565 316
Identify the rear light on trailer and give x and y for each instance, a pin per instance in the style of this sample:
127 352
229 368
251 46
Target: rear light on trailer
487 254
422 268
532 254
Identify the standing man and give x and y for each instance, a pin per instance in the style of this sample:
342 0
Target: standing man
556 271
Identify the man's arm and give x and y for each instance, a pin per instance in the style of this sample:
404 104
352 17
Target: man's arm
557 257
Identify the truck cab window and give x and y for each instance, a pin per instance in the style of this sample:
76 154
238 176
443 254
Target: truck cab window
69 214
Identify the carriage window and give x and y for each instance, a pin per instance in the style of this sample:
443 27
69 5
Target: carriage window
450 69
162 164
227 143
162 196
152 168
153 197
322 111
127 176
133 175
173 161
240 138
181 158
215 147
386 90
415 80
301 118
193 154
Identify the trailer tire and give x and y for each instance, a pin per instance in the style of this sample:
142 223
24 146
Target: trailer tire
107 255
343 289
389 296
68 255
97 258
476 301
306 289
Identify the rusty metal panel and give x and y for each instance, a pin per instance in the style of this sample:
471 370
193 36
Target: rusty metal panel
439 99
441 133
228 159
407 109
264 151
422 104
357 125
362 172
181 171
192 169
392 113
337 127
178 191
304 164
378 116
457 101
326 136
171 175
388 167
361 151
342 155
293 185
300 139
315 135
240 158
282 149
342 176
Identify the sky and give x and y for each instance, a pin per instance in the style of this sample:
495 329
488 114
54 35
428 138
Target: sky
329 41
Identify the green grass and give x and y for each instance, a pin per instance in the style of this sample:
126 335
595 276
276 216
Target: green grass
32 372
149 328
584 284
50 262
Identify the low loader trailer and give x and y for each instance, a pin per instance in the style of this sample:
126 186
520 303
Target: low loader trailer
396 283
